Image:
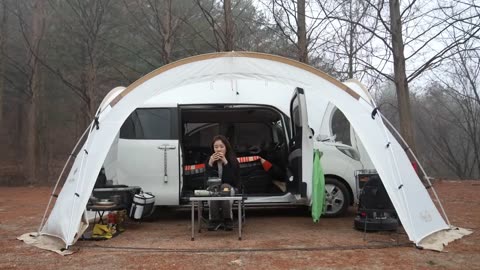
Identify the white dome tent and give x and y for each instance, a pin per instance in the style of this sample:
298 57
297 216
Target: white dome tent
251 78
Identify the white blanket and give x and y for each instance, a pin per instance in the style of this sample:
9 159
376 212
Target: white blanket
437 241
45 242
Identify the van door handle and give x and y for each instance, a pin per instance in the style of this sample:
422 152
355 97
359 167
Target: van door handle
165 148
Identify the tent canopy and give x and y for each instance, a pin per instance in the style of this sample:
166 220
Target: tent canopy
244 78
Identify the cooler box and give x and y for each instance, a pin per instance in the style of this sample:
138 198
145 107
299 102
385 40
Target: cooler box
142 206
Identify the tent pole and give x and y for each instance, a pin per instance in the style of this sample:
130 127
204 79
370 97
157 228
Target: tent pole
421 168
91 127
60 177
385 130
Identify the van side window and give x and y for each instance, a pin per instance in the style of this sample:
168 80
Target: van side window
131 129
296 116
151 124
341 127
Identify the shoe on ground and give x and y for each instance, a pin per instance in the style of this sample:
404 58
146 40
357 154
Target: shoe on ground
213 225
228 225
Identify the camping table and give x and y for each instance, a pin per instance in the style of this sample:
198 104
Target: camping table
101 209
201 199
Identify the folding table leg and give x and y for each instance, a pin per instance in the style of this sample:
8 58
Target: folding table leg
199 212
239 220
193 220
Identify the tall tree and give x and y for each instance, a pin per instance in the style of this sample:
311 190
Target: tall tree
33 32
400 74
417 25
229 26
90 15
347 43
456 90
3 45
158 22
289 17
302 32
223 30
81 47
449 122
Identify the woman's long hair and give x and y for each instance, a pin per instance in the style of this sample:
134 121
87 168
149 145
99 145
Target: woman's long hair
230 154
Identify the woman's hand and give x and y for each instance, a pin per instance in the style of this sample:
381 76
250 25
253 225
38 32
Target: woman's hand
216 157
213 158
222 158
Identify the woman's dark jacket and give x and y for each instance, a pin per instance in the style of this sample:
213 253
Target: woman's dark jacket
230 174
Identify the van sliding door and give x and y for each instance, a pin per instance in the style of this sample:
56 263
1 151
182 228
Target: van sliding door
148 153
301 154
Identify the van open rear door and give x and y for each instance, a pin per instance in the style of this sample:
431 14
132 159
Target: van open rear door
301 154
148 153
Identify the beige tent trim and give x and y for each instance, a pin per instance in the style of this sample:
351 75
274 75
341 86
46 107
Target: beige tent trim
265 56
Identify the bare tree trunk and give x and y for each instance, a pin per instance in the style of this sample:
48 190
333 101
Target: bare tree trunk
351 35
302 32
3 41
30 168
158 22
31 158
400 78
168 25
91 80
167 31
229 27
217 34
18 130
88 81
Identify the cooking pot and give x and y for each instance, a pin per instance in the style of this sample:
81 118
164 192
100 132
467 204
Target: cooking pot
117 199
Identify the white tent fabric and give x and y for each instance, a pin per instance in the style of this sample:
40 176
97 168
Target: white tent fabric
243 75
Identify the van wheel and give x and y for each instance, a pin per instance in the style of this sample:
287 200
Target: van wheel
337 198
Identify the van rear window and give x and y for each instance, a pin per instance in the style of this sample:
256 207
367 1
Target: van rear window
151 124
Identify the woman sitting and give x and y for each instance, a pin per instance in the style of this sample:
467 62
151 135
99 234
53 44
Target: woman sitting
224 165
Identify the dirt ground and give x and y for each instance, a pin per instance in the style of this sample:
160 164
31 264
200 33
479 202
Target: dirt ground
273 239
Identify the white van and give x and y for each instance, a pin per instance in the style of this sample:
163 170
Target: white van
163 144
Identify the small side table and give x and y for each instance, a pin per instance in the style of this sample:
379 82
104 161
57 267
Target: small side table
200 199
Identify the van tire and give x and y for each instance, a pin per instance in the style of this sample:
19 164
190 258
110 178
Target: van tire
338 201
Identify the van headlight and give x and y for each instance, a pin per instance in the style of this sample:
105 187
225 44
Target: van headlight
352 153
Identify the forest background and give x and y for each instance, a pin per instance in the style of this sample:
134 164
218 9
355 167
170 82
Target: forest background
419 59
